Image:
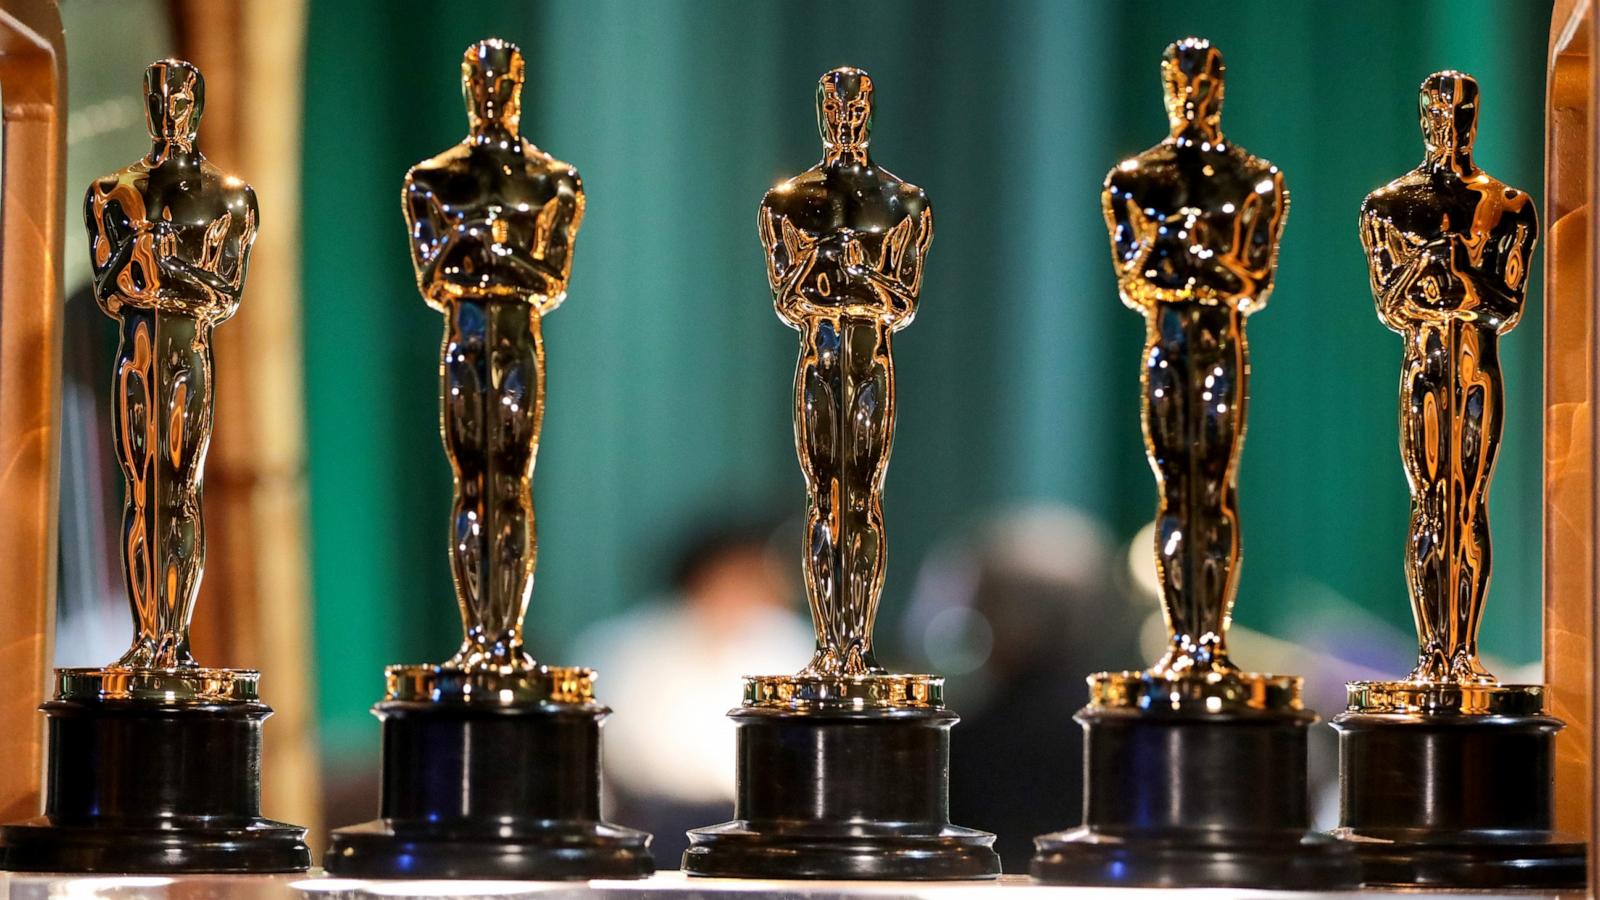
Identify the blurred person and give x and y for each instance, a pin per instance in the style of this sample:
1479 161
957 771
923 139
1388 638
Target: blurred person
673 668
1015 615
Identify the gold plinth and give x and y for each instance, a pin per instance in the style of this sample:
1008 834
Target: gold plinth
1206 692
1436 698
845 692
512 686
191 684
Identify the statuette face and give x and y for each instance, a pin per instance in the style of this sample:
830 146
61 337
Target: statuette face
169 240
1194 224
492 222
845 243
1448 250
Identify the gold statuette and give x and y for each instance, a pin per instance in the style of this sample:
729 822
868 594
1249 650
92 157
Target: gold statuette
844 768
492 222
154 761
1195 223
1448 248
1445 776
169 239
501 771
845 243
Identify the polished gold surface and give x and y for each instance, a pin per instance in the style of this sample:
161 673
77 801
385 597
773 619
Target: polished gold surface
33 98
1463 698
1210 692
492 221
510 686
169 239
1448 248
1194 224
845 242
188 684
813 692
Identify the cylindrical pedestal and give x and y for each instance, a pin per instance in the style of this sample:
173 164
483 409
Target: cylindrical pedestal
842 794
1194 799
476 790
144 786
1462 801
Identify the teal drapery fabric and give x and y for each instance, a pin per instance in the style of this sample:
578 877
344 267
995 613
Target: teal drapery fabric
669 375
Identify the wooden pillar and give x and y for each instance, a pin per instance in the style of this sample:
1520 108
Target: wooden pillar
33 89
1570 349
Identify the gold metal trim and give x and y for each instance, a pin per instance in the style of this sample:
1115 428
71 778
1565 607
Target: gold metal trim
1436 698
844 692
185 685
1209 692
512 685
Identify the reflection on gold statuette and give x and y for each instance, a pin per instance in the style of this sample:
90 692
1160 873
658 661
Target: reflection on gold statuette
845 242
1448 248
492 223
169 239
1194 223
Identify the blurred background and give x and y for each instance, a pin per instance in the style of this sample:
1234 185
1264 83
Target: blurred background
667 487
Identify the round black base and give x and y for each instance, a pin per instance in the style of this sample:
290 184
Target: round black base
46 845
1089 856
139 786
1453 801
545 852
480 791
843 795
1195 800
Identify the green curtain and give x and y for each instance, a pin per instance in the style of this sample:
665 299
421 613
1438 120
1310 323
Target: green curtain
669 375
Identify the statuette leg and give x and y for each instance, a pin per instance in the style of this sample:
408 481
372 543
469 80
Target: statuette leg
493 387
844 420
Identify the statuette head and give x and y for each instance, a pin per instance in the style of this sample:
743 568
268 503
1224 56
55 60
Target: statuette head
844 111
491 83
1192 73
174 96
1448 105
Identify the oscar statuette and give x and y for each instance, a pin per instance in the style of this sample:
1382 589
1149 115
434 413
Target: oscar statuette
154 760
1446 776
1195 770
843 768
491 761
